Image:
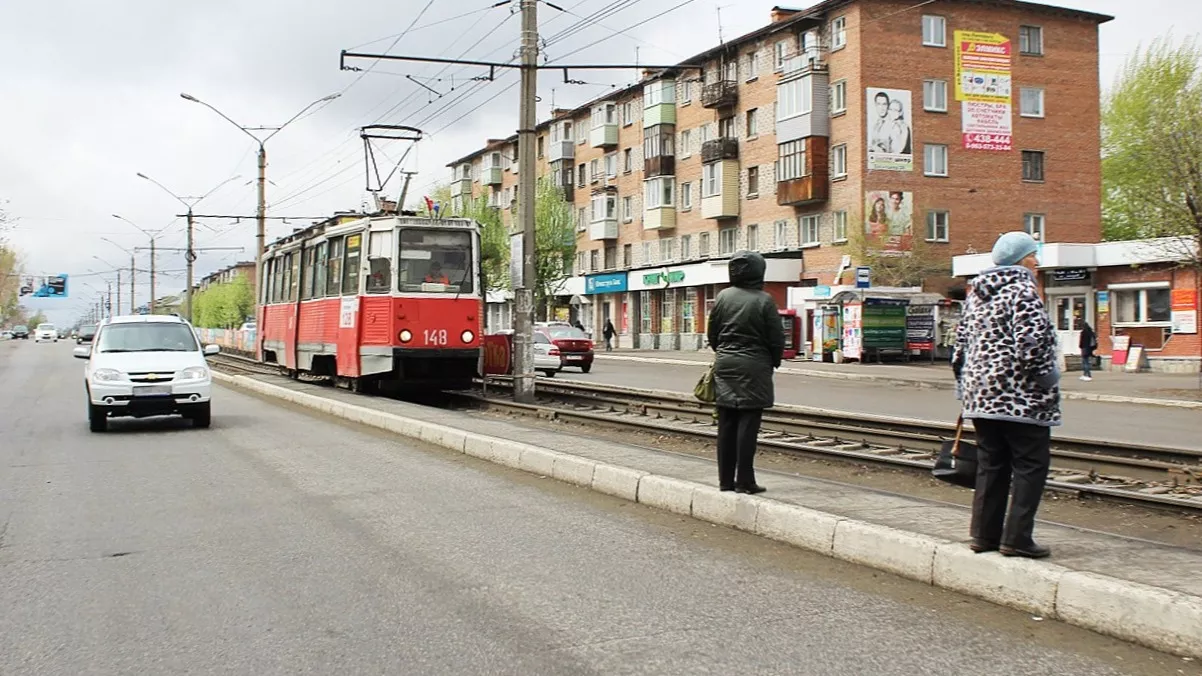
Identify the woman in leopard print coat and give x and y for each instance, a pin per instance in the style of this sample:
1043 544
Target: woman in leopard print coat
1005 365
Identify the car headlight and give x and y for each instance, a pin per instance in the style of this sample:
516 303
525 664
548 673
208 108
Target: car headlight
468 336
106 375
194 373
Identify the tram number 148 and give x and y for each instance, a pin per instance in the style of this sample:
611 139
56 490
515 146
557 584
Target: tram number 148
436 336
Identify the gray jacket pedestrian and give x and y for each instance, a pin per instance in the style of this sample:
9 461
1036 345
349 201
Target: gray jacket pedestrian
746 333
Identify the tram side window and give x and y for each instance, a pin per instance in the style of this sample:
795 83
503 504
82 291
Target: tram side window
379 263
307 274
334 279
435 261
294 287
268 277
277 281
319 270
350 268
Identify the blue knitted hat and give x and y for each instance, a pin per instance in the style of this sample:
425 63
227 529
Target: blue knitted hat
1012 247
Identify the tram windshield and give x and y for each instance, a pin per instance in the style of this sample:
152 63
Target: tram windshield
435 261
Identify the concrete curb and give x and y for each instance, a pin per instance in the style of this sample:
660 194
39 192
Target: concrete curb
927 384
1158 618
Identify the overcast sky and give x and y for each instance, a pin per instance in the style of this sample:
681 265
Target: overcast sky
91 98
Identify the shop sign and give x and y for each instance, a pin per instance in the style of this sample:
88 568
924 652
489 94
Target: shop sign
1070 274
1103 302
613 282
863 277
664 278
1184 310
822 292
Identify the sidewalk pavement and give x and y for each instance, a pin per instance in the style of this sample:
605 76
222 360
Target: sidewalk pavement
1134 590
1155 389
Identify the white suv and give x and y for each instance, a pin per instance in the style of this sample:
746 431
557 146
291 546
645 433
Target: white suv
146 365
45 332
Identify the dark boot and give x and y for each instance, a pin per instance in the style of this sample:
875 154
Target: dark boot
1031 551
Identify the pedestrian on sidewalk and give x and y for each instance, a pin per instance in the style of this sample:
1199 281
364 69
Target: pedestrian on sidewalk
609 332
748 339
1088 344
1005 365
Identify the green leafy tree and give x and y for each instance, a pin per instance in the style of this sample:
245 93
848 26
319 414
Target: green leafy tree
494 242
223 306
554 242
919 262
10 271
1152 146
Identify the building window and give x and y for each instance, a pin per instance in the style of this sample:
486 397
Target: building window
627 113
730 71
1031 102
840 226
753 181
934 159
937 226
1030 40
753 238
934 96
594 170
627 255
686 196
686 91
582 219
839 161
1142 306
667 249
541 143
839 33
934 31
604 114
647 257
627 209
686 143
726 128
839 97
1034 225
658 192
791 160
713 180
780 236
1033 165
581 268
611 165
703 244
594 260
567 131
686 247
794 98
753 66
605 208
728 241
809 229
628 160
581 177
780 52
611 257
753 128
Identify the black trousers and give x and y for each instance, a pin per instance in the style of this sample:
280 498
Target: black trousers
737 432
1010 453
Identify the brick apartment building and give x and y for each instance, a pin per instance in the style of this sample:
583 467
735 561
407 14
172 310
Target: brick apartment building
874 120
244 269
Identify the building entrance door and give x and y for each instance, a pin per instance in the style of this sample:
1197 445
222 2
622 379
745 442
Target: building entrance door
1068 314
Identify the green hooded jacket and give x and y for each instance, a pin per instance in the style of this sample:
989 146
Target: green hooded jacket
746 333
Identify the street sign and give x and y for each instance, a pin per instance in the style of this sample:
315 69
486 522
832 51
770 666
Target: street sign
863 277
51 286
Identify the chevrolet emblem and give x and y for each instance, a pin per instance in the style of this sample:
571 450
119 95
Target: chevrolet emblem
152 376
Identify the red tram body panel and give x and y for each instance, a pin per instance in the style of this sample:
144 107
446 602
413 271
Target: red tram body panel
376 300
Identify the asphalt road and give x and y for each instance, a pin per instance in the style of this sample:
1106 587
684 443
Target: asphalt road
281 543
1085 419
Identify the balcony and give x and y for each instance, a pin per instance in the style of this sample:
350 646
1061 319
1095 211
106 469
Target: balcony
492 175
561 150
563 181
725 202
811 187
720 149
664 165
603 230
461 187
722 94
659 218
603 136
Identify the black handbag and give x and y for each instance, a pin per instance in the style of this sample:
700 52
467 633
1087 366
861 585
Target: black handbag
957 461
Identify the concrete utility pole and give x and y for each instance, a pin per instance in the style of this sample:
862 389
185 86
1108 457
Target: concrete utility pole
523 336
133 271
151 236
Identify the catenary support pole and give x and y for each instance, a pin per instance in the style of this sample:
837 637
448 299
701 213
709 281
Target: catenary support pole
261 233
189 258
523 338
133 301
151 305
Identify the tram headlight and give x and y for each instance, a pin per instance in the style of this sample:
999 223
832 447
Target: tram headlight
468 336
405 335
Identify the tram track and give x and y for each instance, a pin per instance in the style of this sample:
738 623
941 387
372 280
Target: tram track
1150 476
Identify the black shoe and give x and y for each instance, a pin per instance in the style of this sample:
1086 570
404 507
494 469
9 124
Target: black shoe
726 488
1031 551
982 546
750 490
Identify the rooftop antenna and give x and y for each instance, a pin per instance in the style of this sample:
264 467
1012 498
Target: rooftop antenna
720 40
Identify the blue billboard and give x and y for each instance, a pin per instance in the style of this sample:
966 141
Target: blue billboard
51 286
610 282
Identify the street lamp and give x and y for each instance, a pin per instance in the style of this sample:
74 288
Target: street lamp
260 236
132 273
190 251
117 269
147 233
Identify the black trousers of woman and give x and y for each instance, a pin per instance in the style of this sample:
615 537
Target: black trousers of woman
1009 453
737 433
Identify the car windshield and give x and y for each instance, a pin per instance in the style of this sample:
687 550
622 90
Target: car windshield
87 329
20 328
566 333
147 337
435 261
45 327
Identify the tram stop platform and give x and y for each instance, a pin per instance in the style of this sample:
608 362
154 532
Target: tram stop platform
1140 591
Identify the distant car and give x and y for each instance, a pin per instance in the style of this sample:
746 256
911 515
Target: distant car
546 356
6 335
147 365
249 326
575 347
21 331
45 332
85 334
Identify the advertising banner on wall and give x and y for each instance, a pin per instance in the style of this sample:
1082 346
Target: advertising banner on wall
890 130
1184 310
983 87
887 223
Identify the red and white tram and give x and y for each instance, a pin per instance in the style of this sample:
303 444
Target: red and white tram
374 300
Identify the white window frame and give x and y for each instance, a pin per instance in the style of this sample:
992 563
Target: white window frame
756 192
810 228
1035 225
938 225
627 113
934 159
752 120
934 95
712 180
839 226
1038 93
647 257
752 237
686 143
685 191
794 98
703 244
934 30
1038 49
839 161
607 205
1142 289
604 114
780 235
667 250
611 165
686 92
686 247
838 33
780 52
659 192
628 160
627 209
728 241
838 97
